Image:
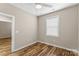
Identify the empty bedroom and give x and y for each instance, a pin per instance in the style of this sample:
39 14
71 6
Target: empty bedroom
39 29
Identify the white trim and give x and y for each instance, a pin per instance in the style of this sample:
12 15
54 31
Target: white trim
5 20
47 44
5 14
12 29
74 50
13 34
25 46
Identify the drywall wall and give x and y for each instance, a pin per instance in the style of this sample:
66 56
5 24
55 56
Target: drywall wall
78 27
68 28
25 25
5 29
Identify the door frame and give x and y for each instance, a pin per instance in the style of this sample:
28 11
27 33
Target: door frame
12 29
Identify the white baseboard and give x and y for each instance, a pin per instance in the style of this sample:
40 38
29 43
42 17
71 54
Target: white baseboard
60 47
48 44
23 46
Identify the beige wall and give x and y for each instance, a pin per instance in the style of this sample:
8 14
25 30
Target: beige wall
78 27
5 29
68 30
26 24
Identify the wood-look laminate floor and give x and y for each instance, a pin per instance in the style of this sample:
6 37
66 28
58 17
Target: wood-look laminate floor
5 46
37 49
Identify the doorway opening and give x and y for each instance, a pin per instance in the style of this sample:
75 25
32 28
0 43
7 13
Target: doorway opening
7 33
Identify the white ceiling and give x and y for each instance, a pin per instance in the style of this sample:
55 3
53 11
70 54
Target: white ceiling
30 7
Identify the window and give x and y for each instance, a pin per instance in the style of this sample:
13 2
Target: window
52 26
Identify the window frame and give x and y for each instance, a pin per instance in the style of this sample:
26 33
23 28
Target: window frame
57 26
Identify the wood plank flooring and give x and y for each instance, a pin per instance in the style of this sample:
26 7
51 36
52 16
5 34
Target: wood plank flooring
5 46
37 49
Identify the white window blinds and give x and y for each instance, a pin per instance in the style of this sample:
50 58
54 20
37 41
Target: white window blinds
52 26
